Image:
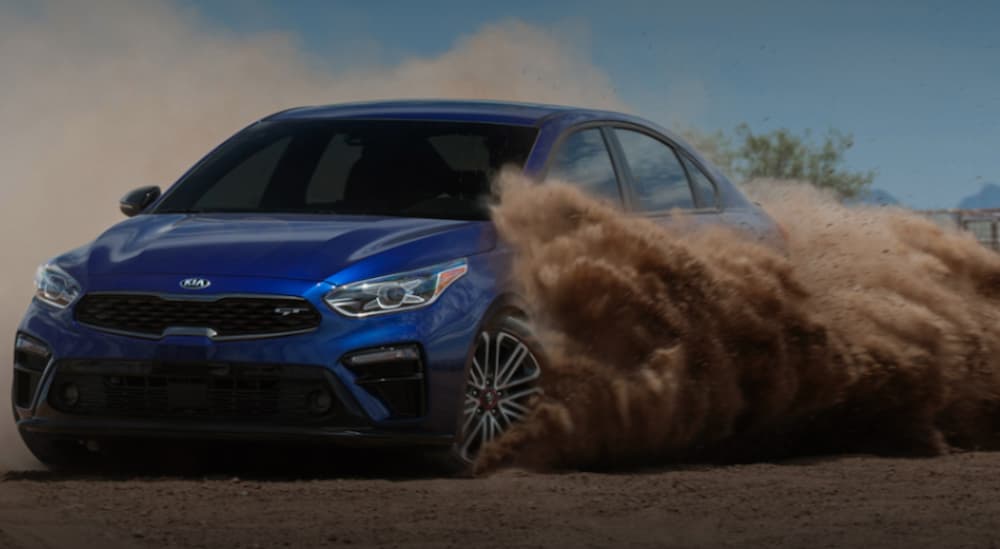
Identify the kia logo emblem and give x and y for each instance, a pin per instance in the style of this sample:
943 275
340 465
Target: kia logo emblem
195 283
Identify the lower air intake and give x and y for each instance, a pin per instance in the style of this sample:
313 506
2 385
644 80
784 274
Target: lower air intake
394 375
281 394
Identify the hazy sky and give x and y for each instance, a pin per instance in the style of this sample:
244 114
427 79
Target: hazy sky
917 83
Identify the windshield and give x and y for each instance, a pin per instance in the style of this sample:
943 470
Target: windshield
394 168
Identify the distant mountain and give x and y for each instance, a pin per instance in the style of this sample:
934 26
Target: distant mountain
875 197
987 197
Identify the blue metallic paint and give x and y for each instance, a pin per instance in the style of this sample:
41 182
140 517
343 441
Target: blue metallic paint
297 246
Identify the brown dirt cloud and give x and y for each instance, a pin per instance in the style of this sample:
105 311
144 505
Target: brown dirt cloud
878 332
98 98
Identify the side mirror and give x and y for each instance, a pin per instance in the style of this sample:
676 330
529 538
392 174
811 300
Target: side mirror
136 201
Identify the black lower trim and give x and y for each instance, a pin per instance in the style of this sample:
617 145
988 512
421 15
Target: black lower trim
262 394
97 428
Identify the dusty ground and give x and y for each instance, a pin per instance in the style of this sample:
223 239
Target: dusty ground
952 501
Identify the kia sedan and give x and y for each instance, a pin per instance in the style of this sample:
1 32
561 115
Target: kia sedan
330 275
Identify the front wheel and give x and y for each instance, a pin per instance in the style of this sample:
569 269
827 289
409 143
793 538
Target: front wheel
501 383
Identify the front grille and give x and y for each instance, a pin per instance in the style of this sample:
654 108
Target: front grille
223 318
282 394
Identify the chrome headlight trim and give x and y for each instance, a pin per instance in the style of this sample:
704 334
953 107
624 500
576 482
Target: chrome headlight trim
404 291
56 287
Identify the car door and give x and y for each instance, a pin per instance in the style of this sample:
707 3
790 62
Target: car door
582 158
656 172
661 180
746 220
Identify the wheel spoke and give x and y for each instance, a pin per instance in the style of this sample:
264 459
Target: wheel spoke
477 373
487 428
477 377
487 357
470 416
509 417
522 394
471 403
495 428
470 437
529 377
511 408
512 364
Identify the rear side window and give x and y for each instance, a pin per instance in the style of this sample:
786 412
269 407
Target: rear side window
704 189
658 178
583 160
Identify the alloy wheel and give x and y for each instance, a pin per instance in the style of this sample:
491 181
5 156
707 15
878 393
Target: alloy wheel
503 379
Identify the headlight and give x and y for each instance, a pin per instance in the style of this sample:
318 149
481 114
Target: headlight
398 292
55 286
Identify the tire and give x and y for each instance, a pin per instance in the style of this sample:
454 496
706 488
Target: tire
501 382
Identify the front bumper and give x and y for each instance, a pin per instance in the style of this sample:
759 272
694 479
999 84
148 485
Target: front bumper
444 333
126 399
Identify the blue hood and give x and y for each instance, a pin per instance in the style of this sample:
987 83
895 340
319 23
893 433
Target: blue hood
303 247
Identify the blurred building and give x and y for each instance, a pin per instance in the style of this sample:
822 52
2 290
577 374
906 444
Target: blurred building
981 222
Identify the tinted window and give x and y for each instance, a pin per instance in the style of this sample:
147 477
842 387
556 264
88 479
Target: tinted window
658 178
583 160
330 177
704 189
398 168
243 186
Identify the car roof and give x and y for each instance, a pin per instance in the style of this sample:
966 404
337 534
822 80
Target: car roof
496 112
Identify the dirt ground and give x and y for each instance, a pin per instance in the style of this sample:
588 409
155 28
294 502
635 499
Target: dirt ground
852 501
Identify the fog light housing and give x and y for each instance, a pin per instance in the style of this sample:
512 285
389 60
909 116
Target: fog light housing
405 353
69 393
31 356
31 353
319 402
392 374
25 384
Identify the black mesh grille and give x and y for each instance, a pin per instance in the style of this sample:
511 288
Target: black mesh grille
229 317
199 391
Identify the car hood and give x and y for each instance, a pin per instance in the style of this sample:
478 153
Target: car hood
305 247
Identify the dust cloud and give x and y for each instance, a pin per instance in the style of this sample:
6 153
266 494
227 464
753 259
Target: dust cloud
878 332
102 97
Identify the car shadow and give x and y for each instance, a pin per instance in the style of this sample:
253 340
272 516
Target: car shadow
282 463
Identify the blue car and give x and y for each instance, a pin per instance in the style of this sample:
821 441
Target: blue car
330 274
